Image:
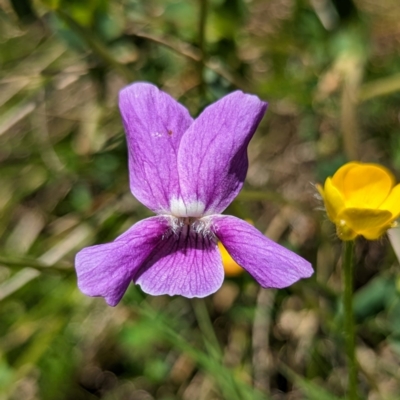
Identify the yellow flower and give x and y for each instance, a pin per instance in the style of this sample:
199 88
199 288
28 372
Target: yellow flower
230 266
361 199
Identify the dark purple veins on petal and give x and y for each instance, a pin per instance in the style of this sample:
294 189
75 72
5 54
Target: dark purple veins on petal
186 263
107 269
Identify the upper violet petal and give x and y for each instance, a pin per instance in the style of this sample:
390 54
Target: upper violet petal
272 265
212 157
154 123
186 264
107 269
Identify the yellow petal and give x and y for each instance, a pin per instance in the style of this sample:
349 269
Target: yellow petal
334 202
230 266
339 177
366 186
369 222
392 202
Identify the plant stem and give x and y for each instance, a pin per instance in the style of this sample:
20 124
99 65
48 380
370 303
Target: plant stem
206 327
348 271
262 358
234 389
214 348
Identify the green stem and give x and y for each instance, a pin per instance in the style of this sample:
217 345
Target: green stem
206 327
213 346
235 389
348 271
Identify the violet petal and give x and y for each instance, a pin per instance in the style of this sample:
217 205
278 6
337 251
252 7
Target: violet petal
107 269
186 264
154 123
272 265
212 157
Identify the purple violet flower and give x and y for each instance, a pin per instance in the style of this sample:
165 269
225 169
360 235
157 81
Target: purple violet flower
186 171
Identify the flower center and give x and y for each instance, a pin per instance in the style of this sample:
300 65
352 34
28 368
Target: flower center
192 225
187 218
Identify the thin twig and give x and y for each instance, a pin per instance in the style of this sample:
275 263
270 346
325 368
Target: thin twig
23 262
193 53
96 45
349 124
379 87
203 5
47 152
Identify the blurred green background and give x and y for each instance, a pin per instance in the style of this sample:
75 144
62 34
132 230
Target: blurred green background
330 71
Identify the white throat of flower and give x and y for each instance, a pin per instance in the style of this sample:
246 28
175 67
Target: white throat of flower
186 218
181 209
